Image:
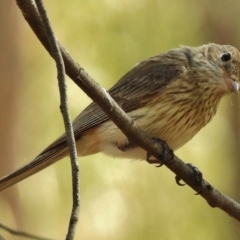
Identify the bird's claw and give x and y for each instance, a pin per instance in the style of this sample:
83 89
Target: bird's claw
167 154
178 179
198 178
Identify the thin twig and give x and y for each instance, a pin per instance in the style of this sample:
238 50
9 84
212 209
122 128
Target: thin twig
56 53
98 94
21 234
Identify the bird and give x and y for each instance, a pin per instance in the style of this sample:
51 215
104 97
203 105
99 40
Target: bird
171 96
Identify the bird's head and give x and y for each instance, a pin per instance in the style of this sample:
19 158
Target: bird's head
227 58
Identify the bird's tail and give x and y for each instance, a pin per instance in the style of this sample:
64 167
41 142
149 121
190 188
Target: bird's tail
43 160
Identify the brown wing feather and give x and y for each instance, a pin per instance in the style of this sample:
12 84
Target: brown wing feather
133 89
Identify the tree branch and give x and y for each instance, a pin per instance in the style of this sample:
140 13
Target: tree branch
56 53
21 234
124 122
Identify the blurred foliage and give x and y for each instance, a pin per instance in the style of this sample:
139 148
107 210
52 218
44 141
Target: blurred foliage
120 199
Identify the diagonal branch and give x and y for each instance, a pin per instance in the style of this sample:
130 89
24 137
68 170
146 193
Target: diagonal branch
123 121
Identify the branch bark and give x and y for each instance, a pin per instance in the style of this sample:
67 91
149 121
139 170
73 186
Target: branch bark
123 121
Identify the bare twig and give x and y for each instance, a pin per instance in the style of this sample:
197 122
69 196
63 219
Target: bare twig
21 234
56 53
99 95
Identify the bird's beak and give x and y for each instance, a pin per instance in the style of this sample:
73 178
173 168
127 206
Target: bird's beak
232 83
235 85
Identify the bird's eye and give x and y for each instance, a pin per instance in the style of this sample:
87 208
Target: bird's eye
225 57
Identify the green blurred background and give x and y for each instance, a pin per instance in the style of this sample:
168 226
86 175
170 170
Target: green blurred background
120 199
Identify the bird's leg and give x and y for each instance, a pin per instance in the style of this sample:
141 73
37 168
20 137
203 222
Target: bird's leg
167 153
126 146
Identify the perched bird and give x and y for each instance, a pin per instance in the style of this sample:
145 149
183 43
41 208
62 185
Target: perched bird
170 96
